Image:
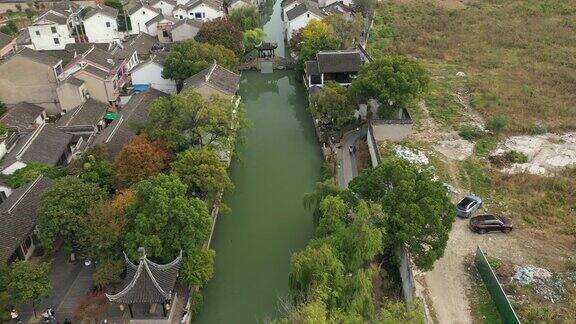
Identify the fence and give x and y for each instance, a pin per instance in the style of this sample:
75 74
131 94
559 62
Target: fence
495 289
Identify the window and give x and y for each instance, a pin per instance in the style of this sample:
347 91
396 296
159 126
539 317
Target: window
308 15
37 33
107 24
198 15
53 30
165 34
56 41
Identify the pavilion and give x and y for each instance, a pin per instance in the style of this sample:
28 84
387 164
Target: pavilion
147 283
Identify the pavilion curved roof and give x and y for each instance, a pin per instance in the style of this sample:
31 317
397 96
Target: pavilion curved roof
147 282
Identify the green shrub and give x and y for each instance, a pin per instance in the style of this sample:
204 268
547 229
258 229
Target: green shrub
485 145
515 157
3 108
471 132
31 172
497 124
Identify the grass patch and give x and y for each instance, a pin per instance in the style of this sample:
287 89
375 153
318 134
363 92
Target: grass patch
471 132
497 43
477 174
485 145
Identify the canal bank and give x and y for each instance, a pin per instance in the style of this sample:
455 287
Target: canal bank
279 161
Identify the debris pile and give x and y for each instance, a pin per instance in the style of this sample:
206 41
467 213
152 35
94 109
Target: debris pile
545 284
411 155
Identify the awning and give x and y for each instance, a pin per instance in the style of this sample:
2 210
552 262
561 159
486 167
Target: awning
110 115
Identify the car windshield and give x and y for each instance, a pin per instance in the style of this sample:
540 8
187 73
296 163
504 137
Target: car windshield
465 202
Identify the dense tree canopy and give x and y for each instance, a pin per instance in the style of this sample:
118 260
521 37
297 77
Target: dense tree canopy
348 31
253 37
62 208
139 159
188 119
102 231
164 220
223 32
93 166
190 57
419 214
245 18
366 7
316 36
392 80
331 105
198 267
202 171
29 282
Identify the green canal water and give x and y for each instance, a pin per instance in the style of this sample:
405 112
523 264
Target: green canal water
279 162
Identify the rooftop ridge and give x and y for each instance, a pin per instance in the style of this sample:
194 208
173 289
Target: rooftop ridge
29 141
24 194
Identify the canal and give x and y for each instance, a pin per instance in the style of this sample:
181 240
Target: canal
279 161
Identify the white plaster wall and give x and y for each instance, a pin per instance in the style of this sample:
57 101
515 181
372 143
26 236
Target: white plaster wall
45 41
209 13
151 74
139 20
97 31
166 8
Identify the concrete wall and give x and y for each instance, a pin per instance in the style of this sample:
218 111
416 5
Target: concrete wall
42 36
71 96
208 13
101 90
407 275
151 73
96 29
373 148
184 32
139 19
28 77
391 131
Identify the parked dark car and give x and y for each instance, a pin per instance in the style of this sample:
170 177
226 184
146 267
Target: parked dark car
467 206
490 223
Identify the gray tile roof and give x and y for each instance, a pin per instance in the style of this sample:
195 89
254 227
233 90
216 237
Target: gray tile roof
22 115
121 130
39 57
172 2
192 22
337 8
216 76
74 81
5 40
143 44
95 72
47 147
50 16
23 38
147 282
81 48
303 8
311 68
139 6
102 9
215 4
102 58
286 3
18 215
88 114
339 61
160 17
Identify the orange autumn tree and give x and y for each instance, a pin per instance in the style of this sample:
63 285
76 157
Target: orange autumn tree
139 159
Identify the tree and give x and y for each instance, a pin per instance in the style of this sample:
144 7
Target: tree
324 189
164 220
331 105
32 171
245 18
10 28
392 80
94 167
198 267
62 208
253 37
316 274
3 108
221 32
108 272
348 31
101 231
202 171
29 282
187 119
317 36
419 214
139 159
190 57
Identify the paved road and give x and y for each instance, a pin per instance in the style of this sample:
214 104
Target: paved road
348 165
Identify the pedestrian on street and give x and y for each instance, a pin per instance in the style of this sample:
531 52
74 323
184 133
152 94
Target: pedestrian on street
350 150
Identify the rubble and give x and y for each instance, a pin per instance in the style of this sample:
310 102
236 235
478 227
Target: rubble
547 153
547 285
411 155
455 149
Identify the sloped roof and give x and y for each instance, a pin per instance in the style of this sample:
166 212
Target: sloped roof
303 8
50 16
18 215
140 6
215 4
339 61
101 9
171 2
148 282
94 71
74 81
286 3
191 22
101 57
338 8
88 114
143 43
39 57
159 18
5 39
216 76
47 147
65 7
22 115
311 68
